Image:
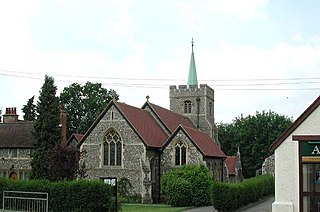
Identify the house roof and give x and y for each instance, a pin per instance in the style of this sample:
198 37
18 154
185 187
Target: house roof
151 132
78 136
75 136
16 135
140 120
144 124
170 119
204 143
231 164
295 124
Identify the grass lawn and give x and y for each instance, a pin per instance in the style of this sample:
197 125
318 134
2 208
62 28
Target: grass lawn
150 207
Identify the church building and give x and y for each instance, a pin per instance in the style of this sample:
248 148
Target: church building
142 144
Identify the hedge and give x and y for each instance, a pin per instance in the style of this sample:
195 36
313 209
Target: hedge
192 185
231 196
81 195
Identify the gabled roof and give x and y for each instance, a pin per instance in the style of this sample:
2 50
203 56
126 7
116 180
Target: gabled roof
140 120
231 164
169 119
152 134
144 124
16 135
75 136
295 124
204 143
78 136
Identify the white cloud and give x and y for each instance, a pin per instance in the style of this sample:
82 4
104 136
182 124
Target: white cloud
313 41
120 24
115 51
238 62
242 9
15 30
195 13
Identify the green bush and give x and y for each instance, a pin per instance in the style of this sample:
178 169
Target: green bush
231 196
81 195
187 186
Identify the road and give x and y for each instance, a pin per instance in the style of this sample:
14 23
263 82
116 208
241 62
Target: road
262 206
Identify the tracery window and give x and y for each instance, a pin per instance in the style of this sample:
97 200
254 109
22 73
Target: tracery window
180 153
112 149
187 106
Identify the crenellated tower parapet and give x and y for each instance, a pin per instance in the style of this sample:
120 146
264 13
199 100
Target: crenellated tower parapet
195 102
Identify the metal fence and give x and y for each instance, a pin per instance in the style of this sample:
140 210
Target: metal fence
25 201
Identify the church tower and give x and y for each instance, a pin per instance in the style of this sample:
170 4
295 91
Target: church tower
195 102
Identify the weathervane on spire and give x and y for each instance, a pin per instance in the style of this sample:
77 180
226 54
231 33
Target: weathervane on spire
192 42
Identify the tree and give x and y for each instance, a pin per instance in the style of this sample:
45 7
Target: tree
83 104
64 162
253 135
46 131
29 110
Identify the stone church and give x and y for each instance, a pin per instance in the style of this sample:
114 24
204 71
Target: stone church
142 144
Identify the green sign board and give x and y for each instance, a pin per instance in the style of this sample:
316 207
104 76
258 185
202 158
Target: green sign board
310 151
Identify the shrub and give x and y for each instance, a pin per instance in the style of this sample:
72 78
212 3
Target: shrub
187 186
231 196
81 195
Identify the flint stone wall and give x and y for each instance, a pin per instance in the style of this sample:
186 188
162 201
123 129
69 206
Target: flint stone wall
133 151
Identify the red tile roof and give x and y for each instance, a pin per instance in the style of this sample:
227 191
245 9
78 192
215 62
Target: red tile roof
144 124
204 142
16 135
171 119
231 164
78 136
151 132
295 124
75 136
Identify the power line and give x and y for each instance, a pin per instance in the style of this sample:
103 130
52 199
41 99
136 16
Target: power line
164 79
226 87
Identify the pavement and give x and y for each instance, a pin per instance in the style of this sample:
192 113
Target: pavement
265 205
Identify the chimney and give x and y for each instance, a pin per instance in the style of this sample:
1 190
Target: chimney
63 125
11 115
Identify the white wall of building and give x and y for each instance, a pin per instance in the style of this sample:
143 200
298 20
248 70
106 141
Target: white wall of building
287 166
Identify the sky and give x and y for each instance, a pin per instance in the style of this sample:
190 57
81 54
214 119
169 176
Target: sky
256 54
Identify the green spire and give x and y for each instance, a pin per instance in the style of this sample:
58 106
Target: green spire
192 78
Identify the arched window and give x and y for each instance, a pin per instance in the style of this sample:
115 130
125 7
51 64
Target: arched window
112 149
180 153
187 106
